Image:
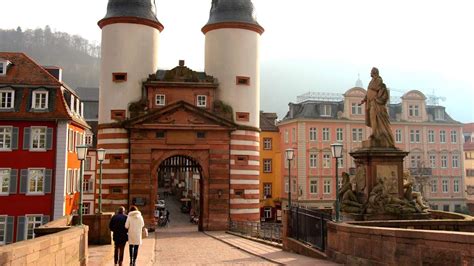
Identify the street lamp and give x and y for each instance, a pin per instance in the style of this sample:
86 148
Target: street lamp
289 156
100 158
81 155
336 149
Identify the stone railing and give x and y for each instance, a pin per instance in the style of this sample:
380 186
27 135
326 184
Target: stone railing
369 245
67 247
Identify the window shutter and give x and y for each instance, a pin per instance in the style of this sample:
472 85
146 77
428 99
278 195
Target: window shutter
13 179
9 236
23 181
26 138
45 219
20 230
49 138
14 138
47 180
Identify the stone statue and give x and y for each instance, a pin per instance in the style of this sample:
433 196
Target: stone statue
413 196
375 203
376 114
347 197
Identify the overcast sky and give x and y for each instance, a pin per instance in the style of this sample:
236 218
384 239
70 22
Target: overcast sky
309 45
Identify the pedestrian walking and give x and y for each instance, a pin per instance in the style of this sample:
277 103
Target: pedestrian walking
167 216
120 237
135 225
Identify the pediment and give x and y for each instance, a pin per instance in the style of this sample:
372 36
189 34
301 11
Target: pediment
180 115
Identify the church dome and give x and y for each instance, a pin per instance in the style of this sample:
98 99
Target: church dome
131 9
233 11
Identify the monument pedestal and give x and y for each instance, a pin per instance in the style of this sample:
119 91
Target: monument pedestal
385 163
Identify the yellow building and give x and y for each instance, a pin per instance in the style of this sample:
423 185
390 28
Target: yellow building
270 165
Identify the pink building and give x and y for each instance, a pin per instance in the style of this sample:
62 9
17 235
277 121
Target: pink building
432 137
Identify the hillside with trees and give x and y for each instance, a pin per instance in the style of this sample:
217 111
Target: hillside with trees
78 58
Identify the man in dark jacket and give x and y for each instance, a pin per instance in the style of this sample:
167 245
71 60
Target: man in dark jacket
117 226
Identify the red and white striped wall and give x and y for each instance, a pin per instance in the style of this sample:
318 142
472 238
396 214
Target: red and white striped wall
244 175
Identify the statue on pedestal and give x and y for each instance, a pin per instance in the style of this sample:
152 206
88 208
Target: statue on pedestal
376 114
347 197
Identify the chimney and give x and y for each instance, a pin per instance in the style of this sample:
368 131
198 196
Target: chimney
56 72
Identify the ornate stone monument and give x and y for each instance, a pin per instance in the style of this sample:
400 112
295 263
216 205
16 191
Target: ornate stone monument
379 191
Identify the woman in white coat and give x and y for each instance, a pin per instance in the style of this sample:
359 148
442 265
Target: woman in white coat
135 225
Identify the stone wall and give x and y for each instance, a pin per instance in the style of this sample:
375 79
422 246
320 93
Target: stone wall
68 247
365 245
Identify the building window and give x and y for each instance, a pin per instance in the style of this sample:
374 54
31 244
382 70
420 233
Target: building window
446 207
7 99
313 134
267 143
454 136
455 161
267 190
200 134
327 186
415 136
87 164
70 140
242 116
160 99
431 137
340 163
160 134
326 161
439 114
88 185
357 134
239 80
5 138
40 100
119 77
89 139
398 136
433 161
116 190
5 181
293 135
201 101
267 212
444 161
35 181
415 161
313 160
1 69
267 165
286 136
442 136
326 110
286 185
434 186
445 186
31 223
117 114
356 109
456 186
313 186
38 138
326 136
86 206
413 110
470 172
3 228
339 134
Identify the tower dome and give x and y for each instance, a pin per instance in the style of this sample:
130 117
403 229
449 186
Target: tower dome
225 13
131 11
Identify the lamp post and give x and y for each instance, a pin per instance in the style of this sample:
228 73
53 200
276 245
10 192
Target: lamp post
100 158
336 149
289 157
81 155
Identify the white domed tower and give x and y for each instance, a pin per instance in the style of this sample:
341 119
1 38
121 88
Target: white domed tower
129 53
232 56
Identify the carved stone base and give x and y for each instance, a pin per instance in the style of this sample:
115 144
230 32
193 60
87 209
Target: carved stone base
385 217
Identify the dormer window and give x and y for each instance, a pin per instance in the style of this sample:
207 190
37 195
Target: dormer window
40 100
3 67
356 109
326 110
201 100
414 110
7 99
439 114
160 100
72 103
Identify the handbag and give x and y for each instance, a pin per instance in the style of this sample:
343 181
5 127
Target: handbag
144 232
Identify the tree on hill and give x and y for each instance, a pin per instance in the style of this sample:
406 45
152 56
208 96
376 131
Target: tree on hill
79 59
